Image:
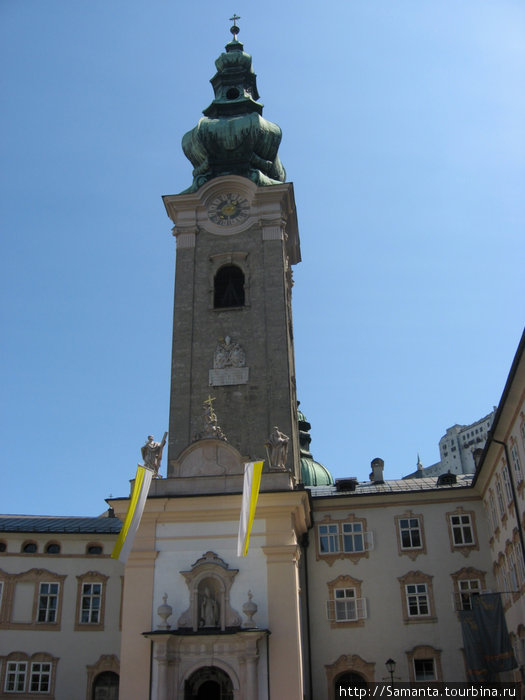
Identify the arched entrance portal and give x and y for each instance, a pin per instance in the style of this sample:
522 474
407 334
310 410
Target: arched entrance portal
347 680
105 686
209 683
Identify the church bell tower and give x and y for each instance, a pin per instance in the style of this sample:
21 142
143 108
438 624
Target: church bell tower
237 239
233 401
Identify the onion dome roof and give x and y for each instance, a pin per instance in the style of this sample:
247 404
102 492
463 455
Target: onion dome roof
312 473
233 138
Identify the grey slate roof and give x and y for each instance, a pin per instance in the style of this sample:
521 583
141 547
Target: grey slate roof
48 523
366 488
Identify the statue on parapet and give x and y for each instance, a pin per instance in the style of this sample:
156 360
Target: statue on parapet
152 454
277 447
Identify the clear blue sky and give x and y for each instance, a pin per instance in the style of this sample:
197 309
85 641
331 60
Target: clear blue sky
404 135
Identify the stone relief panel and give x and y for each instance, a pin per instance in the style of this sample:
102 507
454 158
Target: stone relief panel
229 364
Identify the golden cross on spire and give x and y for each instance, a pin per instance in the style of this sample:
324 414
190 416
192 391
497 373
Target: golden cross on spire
209 401
235 29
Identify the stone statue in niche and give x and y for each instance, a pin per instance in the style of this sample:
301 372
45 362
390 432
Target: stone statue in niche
228 354
152 454
277 448
209 610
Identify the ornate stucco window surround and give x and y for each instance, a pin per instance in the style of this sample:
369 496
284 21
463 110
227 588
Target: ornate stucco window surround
28 676
91 601
462 531
42 593
410 534
424 664
417 597
345 606
347 538
468 582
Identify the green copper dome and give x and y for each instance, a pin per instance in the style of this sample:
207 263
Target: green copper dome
312 473
233 138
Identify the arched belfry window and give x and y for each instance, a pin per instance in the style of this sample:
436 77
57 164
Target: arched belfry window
228 287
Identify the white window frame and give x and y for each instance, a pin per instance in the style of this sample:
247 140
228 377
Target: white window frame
467 588
520 562
493 513
15 672
334 539
330 533
41 672
499 494
420 596
513 571
88 596
506 483
46 612
345 606
516 461
461 523
426 678
410 528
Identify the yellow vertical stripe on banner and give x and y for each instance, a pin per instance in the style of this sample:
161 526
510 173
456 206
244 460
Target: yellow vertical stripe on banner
252 482
137 488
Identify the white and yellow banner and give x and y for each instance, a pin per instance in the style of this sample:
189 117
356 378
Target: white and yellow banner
250 494
125 539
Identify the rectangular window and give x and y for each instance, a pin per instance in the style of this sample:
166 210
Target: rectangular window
15 676
513 571
468 589
493 513
461 530
424 670
48 602
90 604
345 604
516 460
417 599
40 677
410 531
499 494
353 537
329 538
521 563
506 483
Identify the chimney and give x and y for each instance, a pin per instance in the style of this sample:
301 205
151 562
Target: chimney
376 475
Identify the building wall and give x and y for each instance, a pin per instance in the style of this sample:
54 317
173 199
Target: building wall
387 631
78 651
503 492
457 446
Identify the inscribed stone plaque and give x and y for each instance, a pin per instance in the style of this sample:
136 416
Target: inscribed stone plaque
228 376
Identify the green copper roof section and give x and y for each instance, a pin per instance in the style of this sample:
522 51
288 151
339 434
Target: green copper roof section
233 138
312 473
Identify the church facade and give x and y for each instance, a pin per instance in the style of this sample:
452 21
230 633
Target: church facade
339 577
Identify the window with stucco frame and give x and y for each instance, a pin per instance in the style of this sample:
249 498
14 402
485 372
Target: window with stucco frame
417 597
420 656
410 534
33 676
467 582
91 601
346 606
347 538
45 611
460 522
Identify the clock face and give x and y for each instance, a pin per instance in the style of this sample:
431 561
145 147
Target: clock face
228 210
